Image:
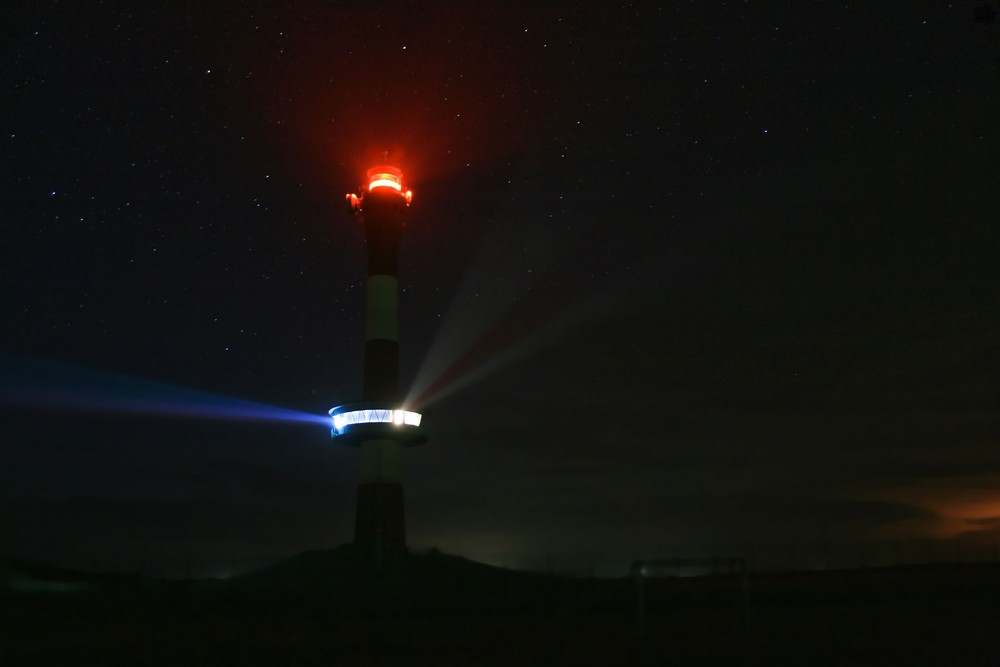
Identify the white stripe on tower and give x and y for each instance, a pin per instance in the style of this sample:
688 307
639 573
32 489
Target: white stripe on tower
382 308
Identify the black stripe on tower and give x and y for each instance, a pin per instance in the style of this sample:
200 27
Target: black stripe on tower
383 227
380 521
381 370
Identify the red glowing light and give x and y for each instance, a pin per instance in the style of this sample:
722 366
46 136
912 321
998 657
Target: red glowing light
353 203
385 177
384 182
382 176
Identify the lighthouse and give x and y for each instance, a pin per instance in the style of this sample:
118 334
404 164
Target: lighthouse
380 425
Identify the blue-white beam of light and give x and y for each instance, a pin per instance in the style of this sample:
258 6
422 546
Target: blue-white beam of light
50 385
398 416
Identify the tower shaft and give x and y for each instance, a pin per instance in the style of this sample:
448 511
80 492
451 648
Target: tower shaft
379 518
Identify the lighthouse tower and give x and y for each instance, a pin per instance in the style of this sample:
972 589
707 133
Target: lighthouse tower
380 425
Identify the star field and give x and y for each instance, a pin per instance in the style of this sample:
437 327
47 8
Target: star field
738 261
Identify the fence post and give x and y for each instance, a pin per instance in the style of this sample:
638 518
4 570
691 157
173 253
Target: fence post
746 595
640 594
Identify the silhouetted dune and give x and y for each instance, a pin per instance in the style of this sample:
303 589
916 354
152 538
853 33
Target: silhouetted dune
28 575
339 607
345 578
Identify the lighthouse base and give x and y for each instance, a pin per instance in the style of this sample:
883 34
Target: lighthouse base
379 525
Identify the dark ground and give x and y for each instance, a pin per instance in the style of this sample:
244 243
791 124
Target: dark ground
324 608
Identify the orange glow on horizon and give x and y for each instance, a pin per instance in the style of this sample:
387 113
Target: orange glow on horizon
954 508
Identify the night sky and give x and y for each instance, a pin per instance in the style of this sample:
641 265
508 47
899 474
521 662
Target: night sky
700 279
